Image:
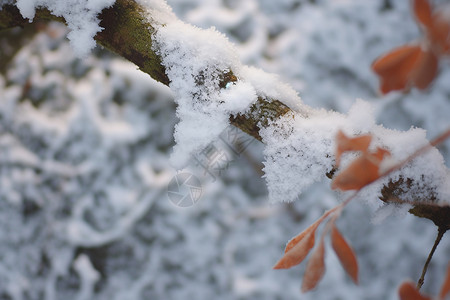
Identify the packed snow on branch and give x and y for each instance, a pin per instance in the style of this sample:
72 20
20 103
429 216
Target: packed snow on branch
300 146
300 151
196 63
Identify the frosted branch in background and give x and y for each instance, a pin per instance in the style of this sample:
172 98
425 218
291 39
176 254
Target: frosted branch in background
80 15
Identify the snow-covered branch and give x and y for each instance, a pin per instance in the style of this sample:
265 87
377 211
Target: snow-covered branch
128 31
212 89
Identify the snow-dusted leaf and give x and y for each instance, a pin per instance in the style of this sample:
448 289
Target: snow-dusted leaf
345 253
315 268
344 143
407 291
298 252
445 289
360 172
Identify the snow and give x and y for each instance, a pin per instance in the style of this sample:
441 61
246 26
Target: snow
300 151
84 159
194 64
195 60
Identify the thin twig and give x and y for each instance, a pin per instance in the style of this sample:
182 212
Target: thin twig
440 234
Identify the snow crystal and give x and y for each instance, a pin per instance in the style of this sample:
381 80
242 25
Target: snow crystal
80 15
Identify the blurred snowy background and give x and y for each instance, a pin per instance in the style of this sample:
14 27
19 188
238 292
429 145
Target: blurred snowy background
84 165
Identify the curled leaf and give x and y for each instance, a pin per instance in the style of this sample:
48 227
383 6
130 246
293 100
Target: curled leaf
315 268
345 253
407 291
297 253
445 290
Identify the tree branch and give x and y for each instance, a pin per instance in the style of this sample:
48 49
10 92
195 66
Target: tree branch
129 33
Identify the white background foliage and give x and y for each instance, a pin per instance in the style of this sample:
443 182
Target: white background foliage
84 165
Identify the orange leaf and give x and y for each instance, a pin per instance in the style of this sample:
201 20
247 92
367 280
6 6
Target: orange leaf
344 143
398 57
377 157
345 254
302 234
445 290
315 268
425 70
407 291
360 172
439 33
395 67
298 252
422 10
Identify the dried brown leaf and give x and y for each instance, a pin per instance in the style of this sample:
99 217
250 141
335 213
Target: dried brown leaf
315 268
445 290
345 253
298 253
408 291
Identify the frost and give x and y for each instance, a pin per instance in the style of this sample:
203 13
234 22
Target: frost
80 15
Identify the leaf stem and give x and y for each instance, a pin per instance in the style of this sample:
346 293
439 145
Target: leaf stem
441 232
